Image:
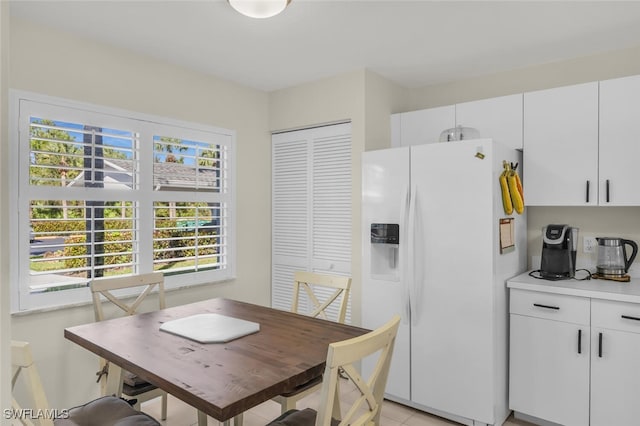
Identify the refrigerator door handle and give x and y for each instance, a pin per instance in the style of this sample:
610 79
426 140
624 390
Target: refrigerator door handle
403 254
411 254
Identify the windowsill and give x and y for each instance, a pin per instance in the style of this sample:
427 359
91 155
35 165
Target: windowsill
89 303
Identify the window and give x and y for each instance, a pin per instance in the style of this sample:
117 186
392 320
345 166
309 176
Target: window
103 192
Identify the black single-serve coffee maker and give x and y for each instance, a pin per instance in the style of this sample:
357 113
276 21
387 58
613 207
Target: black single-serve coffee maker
559 246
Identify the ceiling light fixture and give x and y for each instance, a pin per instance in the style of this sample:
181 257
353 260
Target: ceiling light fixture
259 8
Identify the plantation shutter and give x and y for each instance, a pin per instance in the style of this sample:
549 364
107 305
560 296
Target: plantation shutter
311 208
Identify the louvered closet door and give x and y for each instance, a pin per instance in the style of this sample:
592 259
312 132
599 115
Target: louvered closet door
311 202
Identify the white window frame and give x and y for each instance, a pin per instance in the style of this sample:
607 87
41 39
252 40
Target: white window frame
146 126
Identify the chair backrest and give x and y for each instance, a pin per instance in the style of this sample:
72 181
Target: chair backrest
105 287
310 281
342 356
23 366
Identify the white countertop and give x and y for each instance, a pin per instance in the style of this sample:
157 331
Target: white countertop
595 289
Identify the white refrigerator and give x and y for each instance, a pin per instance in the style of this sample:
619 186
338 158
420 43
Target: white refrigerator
444 274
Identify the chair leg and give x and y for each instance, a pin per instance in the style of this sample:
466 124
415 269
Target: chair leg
337 413
163 406
202 418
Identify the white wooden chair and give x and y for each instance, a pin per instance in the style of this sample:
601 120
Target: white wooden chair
109 410
22 364
311 282
133 387
365 409
336 290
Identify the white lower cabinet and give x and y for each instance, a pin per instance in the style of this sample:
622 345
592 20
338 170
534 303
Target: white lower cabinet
549 357
574 360
615 363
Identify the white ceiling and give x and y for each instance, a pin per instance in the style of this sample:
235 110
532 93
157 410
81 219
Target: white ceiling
413 43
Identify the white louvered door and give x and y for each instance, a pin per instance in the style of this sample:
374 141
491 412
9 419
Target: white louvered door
311 207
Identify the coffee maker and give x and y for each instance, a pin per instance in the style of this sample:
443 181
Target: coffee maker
559 247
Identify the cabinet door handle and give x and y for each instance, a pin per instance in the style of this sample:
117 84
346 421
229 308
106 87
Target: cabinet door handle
607 190
587 191
630 318
599 345
579 341
538 305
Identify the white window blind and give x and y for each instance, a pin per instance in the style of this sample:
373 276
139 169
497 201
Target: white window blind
66 153
311 208
104 192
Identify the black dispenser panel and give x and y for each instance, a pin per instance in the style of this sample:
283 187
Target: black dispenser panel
385 233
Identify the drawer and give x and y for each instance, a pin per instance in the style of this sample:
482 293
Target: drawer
556 307
615 315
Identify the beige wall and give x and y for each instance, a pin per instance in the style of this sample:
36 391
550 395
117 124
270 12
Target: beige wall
382 98
614 64
91 72
594 221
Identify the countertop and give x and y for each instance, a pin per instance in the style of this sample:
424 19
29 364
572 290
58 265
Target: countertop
595 289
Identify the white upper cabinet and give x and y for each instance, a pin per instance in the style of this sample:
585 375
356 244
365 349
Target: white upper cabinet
425 125
561 146
497 118
619 141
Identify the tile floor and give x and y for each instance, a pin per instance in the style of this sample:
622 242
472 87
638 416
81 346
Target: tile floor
393 414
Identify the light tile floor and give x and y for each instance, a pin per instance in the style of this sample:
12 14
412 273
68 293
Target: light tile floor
393 414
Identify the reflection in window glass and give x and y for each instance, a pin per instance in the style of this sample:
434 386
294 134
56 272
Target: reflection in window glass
75 241
72 154
189 236
181 163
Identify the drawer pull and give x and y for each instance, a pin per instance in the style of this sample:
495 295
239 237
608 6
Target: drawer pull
599 345
579 341
538 305
630 318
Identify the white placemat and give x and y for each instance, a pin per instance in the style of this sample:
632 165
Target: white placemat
210 328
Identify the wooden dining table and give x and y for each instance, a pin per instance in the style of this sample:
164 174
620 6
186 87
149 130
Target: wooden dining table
222 380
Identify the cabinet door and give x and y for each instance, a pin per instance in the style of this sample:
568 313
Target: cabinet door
615 374
311 207
497 118
561 146
619 147
424 126
549 370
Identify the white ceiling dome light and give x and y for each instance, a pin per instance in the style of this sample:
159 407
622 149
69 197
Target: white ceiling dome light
259 8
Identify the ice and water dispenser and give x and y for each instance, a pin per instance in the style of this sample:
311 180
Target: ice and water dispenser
385 239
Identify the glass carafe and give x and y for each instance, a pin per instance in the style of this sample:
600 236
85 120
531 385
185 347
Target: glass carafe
612 256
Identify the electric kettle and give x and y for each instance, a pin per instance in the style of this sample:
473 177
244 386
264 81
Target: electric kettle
612 256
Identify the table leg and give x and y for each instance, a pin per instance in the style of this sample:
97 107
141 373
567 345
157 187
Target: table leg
237 421
114 381
202 418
